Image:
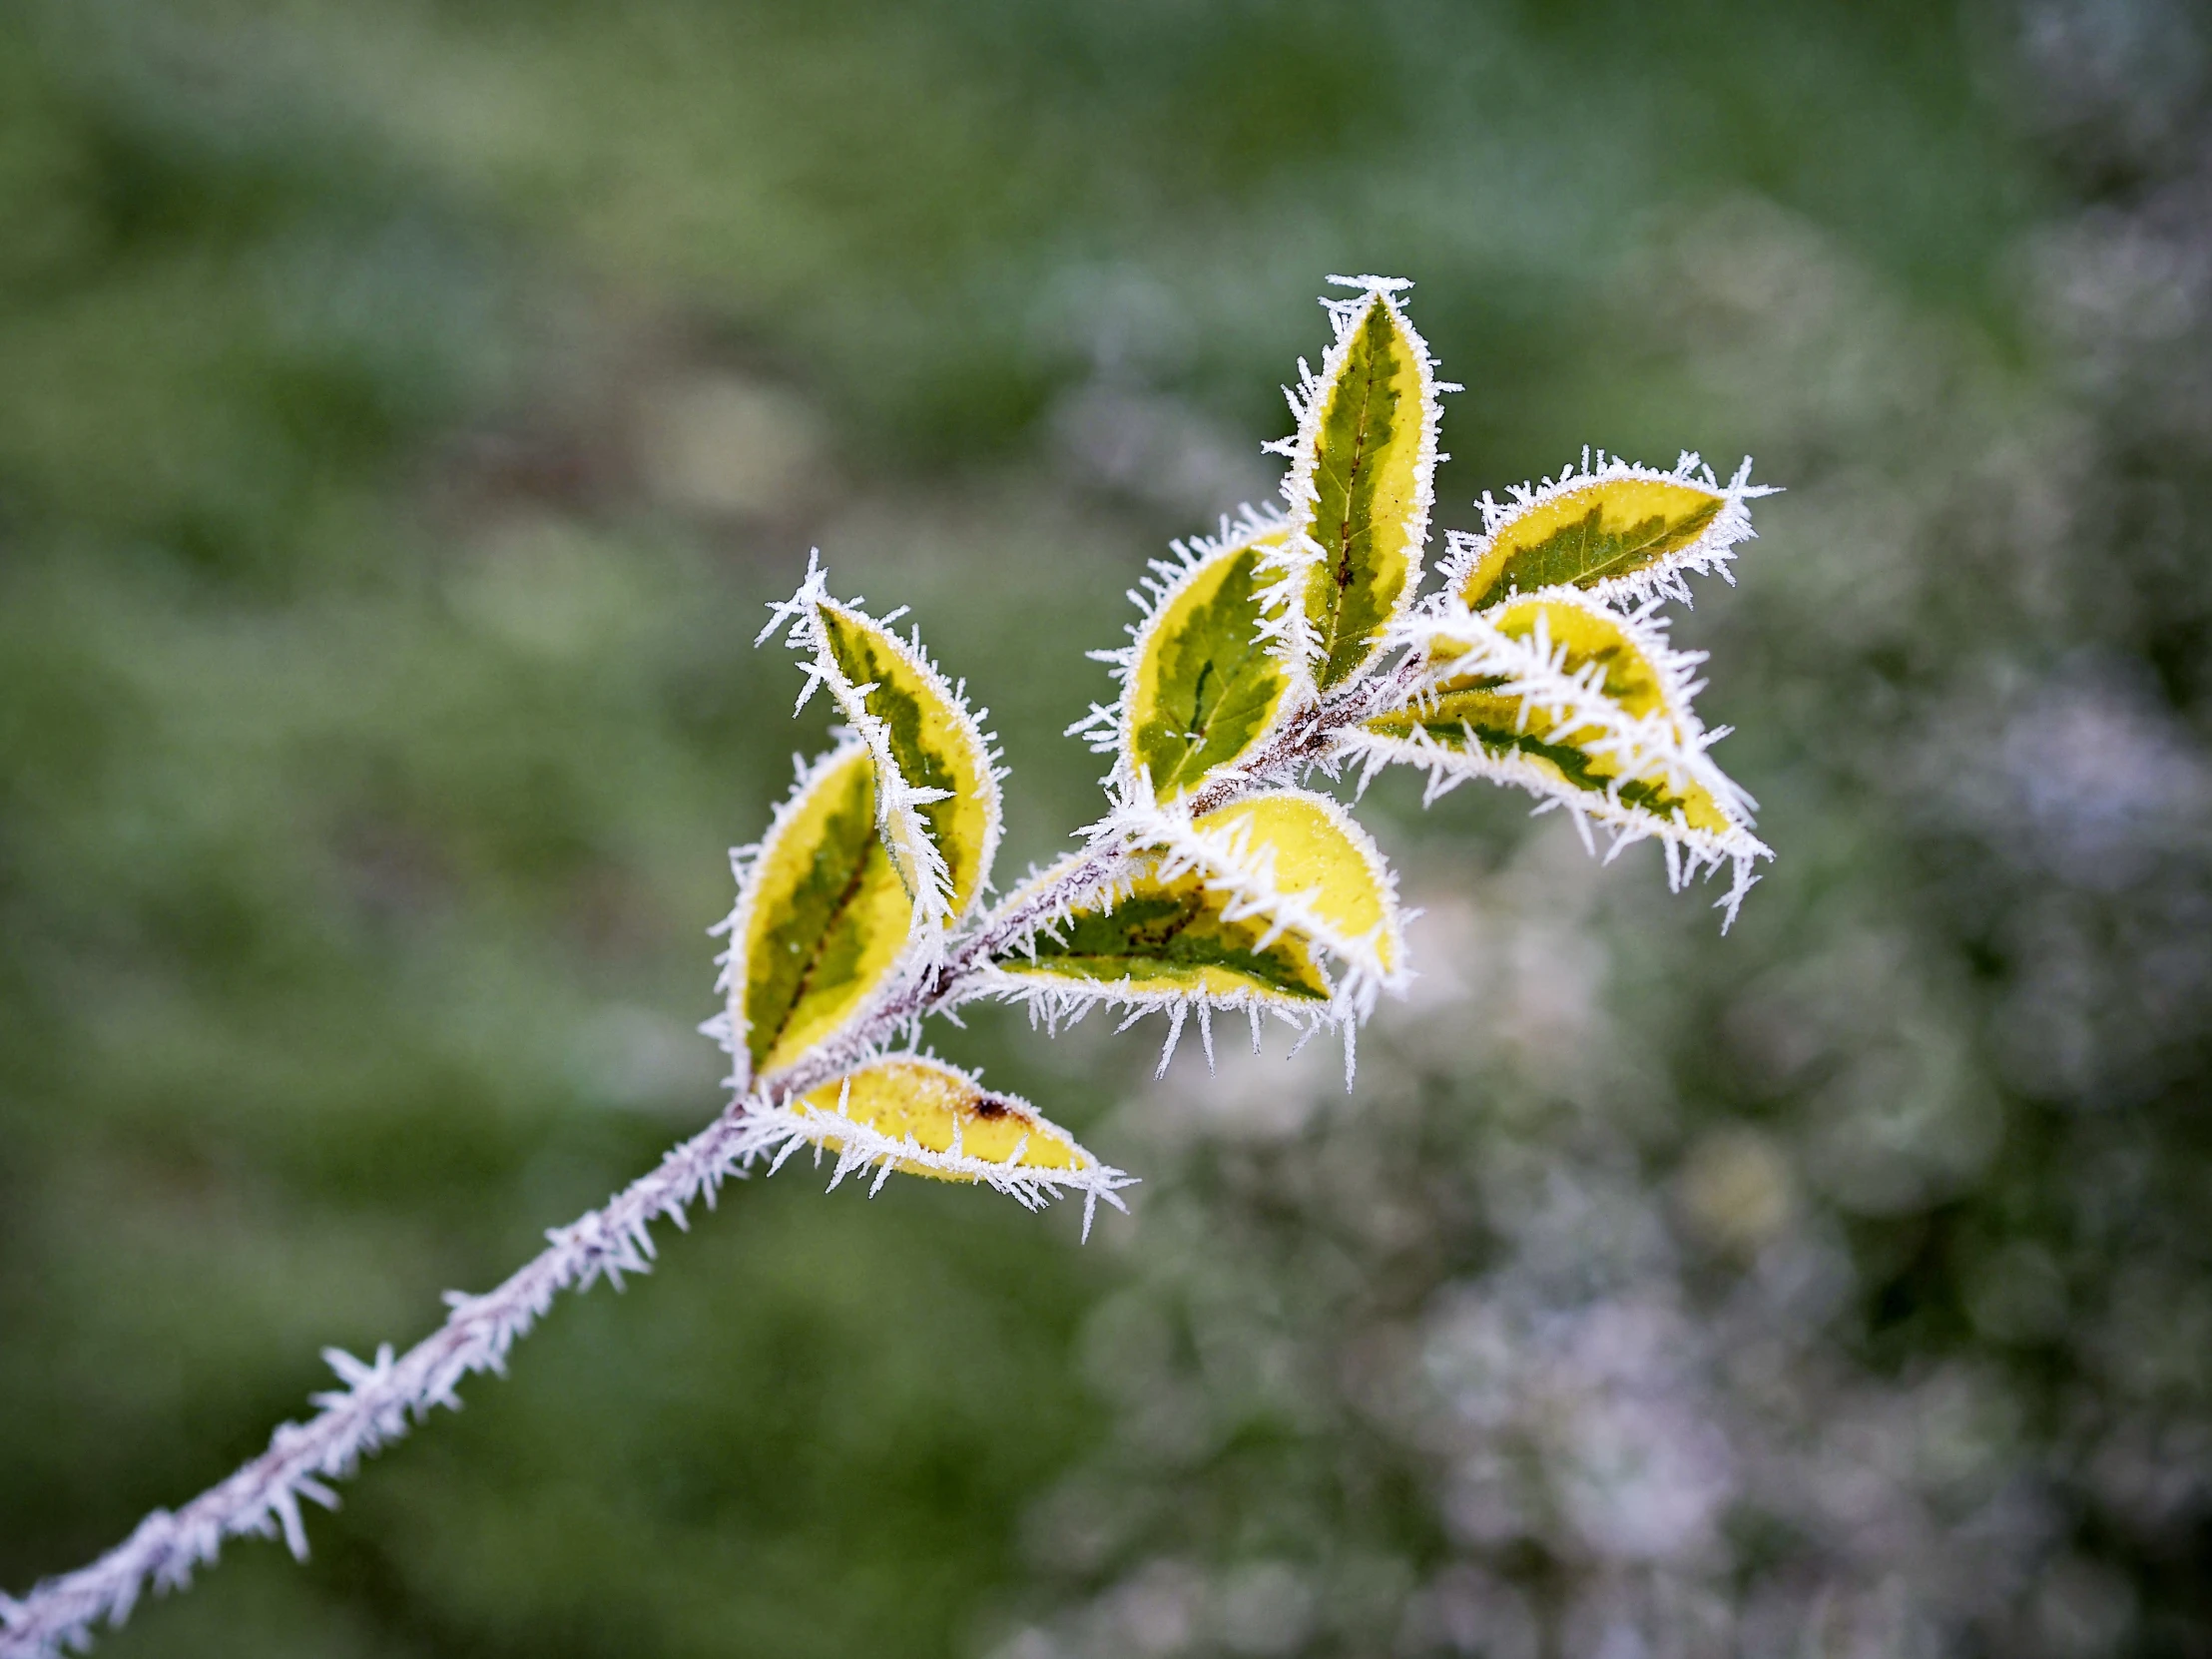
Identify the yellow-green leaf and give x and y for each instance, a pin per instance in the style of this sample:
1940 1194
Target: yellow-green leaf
821 922
1582 706
1299 861
910 1114
1362 479
1639 676
1470 715
928 1118
916 723
1160 941
1624 531
1203 686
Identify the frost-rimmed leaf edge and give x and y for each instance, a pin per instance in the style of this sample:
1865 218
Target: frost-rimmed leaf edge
898 801
1669 746
1111 728
778 1131
1531 667
1711 554
1287 626
1690 851
1224 857
1060 1001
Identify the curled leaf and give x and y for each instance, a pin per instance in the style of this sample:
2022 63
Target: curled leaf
919 1116
1201 687
1361 481
1585 707
820 923
1616 530
938 802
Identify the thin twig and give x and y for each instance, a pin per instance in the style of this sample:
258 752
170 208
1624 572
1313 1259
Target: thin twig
384 1399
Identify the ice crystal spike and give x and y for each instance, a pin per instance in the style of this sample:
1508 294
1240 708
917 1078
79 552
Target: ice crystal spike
1214 882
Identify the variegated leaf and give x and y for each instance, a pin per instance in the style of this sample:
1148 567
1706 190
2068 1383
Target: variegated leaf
820 923
1299 861
937 803
1361 481
1154 941
918 1116
1582 705
1201 687
1617 531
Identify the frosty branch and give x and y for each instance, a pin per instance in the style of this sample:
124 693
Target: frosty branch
1296 641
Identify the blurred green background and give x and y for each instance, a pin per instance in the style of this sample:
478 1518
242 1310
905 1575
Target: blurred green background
405 410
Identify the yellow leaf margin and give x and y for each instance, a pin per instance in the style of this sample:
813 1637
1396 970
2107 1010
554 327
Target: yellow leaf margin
915 1115
1302 864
